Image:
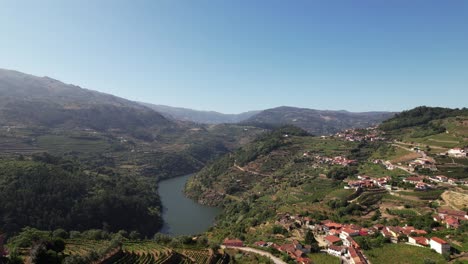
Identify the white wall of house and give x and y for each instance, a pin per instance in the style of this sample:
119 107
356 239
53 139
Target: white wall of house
439 248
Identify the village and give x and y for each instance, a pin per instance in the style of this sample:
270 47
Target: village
338 239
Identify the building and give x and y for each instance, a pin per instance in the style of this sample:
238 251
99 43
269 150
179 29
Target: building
413 179
347 232
422 241
336 251
456 152
233 243
439 245
332 240
452 222
355 256
455 213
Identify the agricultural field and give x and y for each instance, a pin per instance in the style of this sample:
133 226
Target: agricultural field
197 256
403 253
456 200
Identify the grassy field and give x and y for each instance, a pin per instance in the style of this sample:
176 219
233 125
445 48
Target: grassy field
424 195
403 253
403 212
321 258
378 170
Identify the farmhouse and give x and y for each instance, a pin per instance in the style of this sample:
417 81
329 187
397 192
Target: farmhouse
439 245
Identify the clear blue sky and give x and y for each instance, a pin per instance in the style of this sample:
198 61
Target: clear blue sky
238 55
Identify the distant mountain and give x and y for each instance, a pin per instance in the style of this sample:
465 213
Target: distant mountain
319 122
42 101
202 117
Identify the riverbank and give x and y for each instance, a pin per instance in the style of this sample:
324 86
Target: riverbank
182 215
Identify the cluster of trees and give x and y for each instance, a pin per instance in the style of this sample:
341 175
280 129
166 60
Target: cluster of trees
341 173
420 116
49 192
373 241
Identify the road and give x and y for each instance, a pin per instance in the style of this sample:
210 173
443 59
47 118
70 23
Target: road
259 252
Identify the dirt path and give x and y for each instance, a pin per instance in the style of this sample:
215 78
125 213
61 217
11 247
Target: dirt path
276 260
249 171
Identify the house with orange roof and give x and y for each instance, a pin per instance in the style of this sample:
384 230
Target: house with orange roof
332 240
439 245
422 241
233 243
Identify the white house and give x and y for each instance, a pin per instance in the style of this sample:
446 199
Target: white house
347 232
456 152
337 251
439 245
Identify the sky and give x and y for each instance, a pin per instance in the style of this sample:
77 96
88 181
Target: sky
238 55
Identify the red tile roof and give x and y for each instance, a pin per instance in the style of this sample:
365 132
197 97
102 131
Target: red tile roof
438 240
420 240
332 239
336 248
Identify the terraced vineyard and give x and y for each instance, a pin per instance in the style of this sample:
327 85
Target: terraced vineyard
148 252
140 252
82 247
146 258
197 256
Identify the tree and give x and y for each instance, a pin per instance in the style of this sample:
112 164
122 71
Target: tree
309 238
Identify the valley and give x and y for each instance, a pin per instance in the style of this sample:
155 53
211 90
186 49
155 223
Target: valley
79 184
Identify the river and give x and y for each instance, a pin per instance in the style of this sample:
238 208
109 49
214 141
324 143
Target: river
181 215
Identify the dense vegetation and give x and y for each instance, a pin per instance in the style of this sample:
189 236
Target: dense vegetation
422 115
50 192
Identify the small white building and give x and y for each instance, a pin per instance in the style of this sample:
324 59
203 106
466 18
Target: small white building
439 245
336 251
456 152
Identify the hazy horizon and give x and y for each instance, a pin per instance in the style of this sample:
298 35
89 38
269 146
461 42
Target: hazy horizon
232 57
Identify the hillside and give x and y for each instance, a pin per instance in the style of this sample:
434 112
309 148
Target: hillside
436 128
28 100
287 182
318 122
99 150
201 117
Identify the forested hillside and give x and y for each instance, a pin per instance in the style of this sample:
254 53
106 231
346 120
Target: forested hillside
49 192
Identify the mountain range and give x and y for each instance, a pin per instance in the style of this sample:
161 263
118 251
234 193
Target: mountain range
27 100
197 116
